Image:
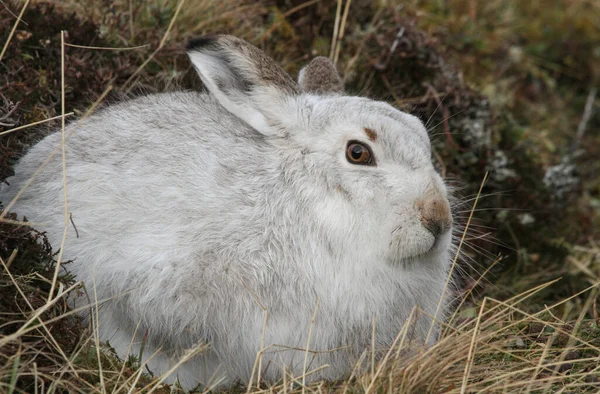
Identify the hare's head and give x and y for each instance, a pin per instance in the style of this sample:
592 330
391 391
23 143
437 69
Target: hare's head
366 165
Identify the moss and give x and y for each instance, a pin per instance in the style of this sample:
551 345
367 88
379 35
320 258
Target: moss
32 270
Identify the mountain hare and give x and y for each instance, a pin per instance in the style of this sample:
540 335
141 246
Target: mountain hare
198 214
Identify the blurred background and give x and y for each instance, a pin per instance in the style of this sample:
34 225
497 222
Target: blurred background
506 87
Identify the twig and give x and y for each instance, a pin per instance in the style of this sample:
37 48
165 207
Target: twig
11 258
108 48
131 27
256 369
64 165
453 266
12 13
336 26
340 37
468 293
12 32
595 312
5 119
310 330
471 353
587 114
373 349
34 123
73 223
382 65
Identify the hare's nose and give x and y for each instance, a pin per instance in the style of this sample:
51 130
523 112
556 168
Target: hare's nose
435 215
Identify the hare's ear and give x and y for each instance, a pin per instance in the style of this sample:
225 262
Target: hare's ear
244 80
320 77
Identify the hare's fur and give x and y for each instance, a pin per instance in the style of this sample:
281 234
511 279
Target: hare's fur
195 211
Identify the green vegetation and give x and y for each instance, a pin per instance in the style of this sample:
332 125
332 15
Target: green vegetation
506 87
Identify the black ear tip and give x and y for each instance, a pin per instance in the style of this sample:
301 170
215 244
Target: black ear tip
204 42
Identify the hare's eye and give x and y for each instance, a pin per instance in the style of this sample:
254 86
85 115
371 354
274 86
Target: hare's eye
359 153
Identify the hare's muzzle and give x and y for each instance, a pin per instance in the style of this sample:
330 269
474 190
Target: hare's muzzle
434 211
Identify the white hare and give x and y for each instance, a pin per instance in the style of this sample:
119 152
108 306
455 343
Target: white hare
194 211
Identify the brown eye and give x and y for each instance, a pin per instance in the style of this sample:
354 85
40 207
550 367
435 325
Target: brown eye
359 153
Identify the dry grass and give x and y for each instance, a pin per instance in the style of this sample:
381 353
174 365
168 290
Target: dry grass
534 335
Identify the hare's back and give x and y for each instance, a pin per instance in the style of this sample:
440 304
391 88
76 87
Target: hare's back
139 175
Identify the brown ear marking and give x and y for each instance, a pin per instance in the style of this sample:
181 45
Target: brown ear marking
198 43
249 65
371 134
